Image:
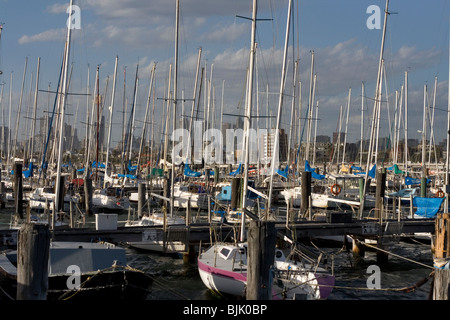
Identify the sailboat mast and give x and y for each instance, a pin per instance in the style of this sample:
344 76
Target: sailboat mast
63 107
144 128
97 100
193 105
375 110
447 162
346 124
20 106
406 123
362 124
111 110
174 115
280 105
248 112
291 126
424 130
33 123
310 106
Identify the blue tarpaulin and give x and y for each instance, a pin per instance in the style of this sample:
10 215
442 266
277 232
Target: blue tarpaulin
427 207
283 173
100 165
237 171
28 173
189 172
314 174
130 176
372 172
410 181
130 167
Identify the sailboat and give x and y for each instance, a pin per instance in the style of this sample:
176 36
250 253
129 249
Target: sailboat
103 271
223 269
294 195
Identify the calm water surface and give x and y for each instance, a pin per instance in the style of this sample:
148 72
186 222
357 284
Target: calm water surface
176 280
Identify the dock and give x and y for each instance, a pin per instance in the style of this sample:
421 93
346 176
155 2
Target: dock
197 233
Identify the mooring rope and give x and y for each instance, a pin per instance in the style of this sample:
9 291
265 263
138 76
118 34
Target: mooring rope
398 256
155 281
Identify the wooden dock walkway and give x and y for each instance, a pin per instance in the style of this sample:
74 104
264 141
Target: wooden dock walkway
203 232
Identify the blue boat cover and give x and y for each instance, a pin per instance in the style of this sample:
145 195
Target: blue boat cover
189 172
130 176
283 173
427 207
372 172
314 174
410 181
100 165
130 167
28 173
237 171
225 194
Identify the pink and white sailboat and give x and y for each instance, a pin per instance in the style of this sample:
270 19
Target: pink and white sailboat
223 269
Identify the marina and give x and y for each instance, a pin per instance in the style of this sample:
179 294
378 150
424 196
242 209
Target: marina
188 206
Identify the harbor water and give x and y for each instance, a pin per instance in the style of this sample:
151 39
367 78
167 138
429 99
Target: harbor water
403 277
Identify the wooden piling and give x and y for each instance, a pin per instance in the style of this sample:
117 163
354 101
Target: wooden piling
141 199
61 194
382 255
2 195
306 191
261 255
18 190
32 261
423 187
88 196
442 235
380 190
235 195
441 251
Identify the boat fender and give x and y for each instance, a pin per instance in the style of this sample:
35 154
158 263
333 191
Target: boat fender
335 189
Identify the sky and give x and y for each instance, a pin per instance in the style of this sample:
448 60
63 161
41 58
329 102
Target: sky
346 55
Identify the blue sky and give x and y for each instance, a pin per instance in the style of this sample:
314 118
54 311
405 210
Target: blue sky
346 52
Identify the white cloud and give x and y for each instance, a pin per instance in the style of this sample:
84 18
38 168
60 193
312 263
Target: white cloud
48 35
58 8
225 32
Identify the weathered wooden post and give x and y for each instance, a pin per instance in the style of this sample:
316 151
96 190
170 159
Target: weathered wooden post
423 187
188 211
306 191
379 196
261 256
235 194
88 195
18 190
141 199
2 195
61 195
441 281
382 256
207 174
32 261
